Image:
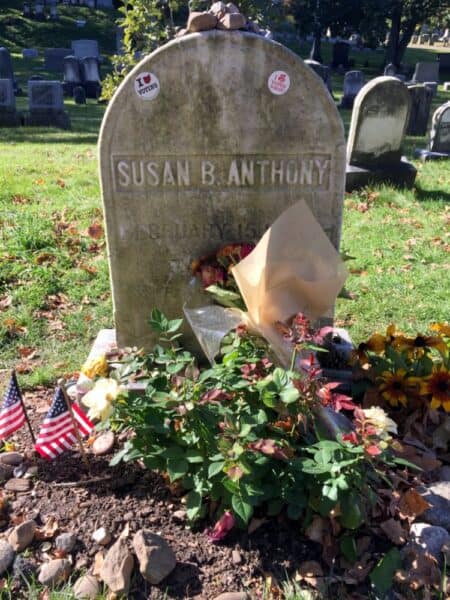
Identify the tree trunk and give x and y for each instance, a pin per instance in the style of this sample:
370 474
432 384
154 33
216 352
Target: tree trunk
392 50
405 39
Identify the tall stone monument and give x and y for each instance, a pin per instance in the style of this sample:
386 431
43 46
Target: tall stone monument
377 130
206 142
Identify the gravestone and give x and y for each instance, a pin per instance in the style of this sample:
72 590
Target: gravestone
72 75
353 82
30 53
39 11
439 140
390 70
206 142
377 129
6 69
54 58
79 95
46 105
444 61
8 114
322 71
54 16
26 10
340 55
421 99
82 48
426 71
91 76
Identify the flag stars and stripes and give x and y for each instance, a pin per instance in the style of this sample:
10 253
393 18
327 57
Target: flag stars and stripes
12 414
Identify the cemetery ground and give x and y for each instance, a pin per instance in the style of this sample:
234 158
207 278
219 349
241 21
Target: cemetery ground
54 297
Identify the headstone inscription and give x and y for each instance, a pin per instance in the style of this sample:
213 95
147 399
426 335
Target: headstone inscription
439 139
426 71
82 48
8 114
46 105
72 75
205 143
377 129
421 98
353 82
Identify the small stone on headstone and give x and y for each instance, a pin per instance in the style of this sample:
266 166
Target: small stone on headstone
201 21
232 21
54 572
218 9
103 443
232 8
22 535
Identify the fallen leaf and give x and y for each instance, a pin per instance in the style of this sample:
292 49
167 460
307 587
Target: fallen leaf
44 257
19 199
39 181
422 571
27 352
61 183
95 230
411 504
394 531
5 302
13 327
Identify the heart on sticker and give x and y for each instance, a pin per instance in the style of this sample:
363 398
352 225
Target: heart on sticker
147 78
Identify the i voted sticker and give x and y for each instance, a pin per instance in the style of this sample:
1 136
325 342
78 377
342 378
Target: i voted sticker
146 86
279 82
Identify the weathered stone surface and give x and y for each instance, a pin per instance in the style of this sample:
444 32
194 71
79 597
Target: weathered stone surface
18 485
427 538
86 588
353 83
66 542
232 21
233 596
426 71
117 567
102 536
207 142
440 130
219 9
6 556
54 572
156 558
201 21
6 472
103 443
421 99
22 535
438 495
11 458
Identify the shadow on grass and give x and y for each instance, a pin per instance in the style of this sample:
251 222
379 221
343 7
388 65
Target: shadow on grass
431 195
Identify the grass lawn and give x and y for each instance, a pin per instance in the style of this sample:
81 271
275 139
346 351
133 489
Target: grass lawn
54 286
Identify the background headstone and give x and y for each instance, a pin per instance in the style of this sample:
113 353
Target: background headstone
322 71
440 130
426 71
205 143
8 114
340 55
72 75
421 98
82 48
353 82
91 76
377 130
46 105
54 58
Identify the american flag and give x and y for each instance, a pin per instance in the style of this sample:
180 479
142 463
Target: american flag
12 414
58 432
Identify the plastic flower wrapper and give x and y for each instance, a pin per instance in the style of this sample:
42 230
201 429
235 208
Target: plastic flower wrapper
100 398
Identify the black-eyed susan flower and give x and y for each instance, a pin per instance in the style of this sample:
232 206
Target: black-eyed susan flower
438 386
417 345
441 328
395 387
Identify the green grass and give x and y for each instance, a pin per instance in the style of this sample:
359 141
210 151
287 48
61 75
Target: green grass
56 276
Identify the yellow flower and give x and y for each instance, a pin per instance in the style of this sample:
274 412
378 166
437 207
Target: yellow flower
438 386
96 367
100 398
377 417
441 328
416 346
395 387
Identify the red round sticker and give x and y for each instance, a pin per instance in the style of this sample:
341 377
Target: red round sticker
279 82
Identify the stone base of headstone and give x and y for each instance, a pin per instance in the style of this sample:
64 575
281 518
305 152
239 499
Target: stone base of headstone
428 155
93 89
347 102
402 174
79 95
68 88
431 85
10 118
48 118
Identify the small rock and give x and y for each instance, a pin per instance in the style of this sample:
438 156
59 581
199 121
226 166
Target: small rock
427 538
180 515
23 567
438 495
128 516
86 588
11 458
117 567
232 21
201 21
54 571
218 9
22 535
45 547
66 542
232 596
18 485
156 558
20 470
236 557
6 472
232 8
6 556
102 536
104 443
31 472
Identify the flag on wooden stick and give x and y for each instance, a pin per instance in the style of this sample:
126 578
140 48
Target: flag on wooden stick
12 413
58 432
